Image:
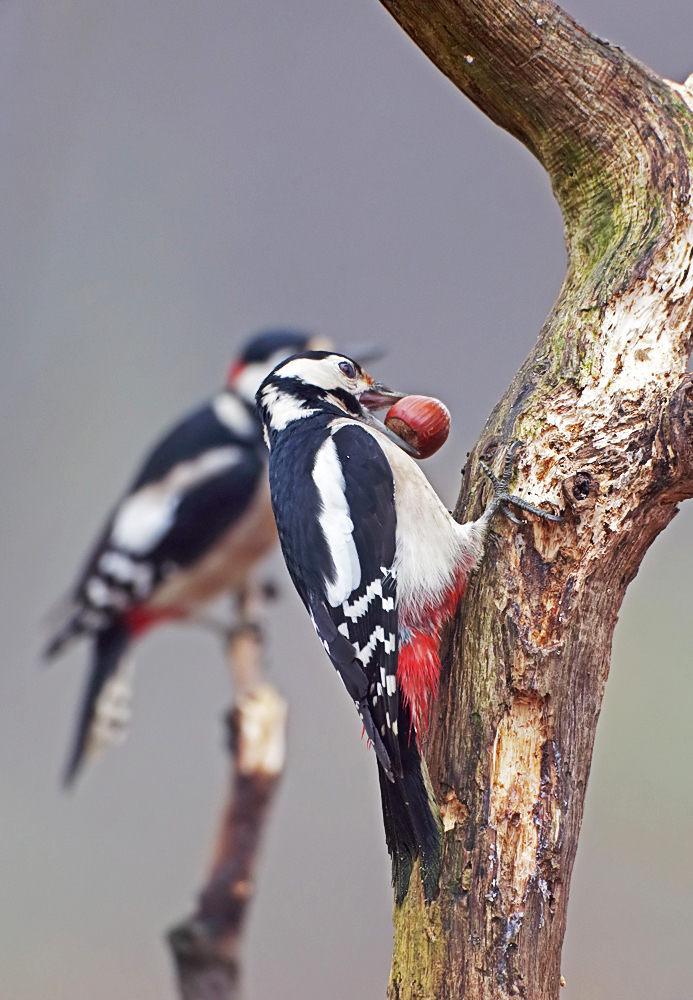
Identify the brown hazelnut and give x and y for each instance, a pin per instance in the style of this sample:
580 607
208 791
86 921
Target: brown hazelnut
422 421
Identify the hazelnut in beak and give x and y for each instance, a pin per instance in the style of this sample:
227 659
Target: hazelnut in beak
423 422
377 397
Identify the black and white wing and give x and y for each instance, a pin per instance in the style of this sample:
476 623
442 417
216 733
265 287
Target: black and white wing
191 489
353 603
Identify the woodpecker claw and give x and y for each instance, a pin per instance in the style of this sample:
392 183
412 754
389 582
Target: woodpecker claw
501 497
511 517
509 464
494 480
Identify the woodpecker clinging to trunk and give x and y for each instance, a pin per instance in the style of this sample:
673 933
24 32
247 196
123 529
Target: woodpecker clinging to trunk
379 563
191 527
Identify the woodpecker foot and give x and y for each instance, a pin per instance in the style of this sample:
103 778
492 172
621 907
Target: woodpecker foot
501 497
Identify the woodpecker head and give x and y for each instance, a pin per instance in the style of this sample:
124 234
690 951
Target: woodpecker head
318 382
264 352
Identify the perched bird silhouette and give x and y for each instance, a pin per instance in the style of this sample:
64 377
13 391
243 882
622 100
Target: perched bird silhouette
193 524
380 565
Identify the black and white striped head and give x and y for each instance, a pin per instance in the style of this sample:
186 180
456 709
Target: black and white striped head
322 382
265 351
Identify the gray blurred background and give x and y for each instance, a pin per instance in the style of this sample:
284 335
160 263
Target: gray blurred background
175 176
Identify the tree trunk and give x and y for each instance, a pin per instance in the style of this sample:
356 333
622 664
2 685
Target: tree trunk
605 408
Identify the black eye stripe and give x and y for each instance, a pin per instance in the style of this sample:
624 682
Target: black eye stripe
347 368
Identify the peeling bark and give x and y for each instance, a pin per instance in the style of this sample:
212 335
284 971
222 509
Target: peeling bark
605 407
516 790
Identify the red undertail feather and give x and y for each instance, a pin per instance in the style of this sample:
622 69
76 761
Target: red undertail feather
140 620
418 663
418 669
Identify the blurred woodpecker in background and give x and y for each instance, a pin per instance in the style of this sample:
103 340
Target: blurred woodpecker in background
380 565
191 527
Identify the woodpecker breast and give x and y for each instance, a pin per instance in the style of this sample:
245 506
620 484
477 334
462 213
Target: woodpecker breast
434 557
433 551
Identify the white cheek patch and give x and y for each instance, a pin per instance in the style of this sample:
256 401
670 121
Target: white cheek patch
283 408
336 524
320 372
143 518
252 375
248 381
323 373
233 414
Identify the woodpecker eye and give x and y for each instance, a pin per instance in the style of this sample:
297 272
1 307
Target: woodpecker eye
347 368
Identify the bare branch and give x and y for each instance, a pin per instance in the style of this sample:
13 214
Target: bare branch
206 946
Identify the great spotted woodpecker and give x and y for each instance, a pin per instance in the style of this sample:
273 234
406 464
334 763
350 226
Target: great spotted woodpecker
192 525
379 563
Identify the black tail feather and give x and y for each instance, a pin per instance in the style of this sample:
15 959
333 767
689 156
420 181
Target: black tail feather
109 648
412 823
71 629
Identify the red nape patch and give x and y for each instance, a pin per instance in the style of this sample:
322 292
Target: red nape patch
140 620
233 372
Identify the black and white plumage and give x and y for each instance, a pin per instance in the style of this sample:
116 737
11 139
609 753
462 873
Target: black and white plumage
379 563
192 525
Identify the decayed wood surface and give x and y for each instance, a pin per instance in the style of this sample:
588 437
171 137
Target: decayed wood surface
206 946
605 407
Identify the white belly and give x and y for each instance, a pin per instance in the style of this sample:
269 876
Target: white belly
433 551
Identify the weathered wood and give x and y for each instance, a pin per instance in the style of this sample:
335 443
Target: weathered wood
605 407
206 946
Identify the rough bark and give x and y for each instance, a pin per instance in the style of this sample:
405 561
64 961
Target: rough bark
605 407
206 946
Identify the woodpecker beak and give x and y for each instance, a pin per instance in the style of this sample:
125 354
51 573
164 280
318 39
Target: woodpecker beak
376 397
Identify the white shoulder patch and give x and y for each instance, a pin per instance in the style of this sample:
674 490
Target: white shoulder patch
336 524
232 413
144 517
